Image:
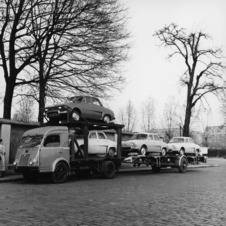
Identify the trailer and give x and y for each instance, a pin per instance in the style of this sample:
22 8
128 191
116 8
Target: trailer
156 161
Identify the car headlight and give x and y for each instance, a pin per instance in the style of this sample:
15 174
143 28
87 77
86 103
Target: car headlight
133 145
15 163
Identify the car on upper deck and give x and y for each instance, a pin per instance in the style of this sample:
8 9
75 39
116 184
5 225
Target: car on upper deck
183 146
144 144
80 107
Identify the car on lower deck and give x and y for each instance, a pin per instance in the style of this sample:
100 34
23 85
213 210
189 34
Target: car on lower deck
183 146
144 144
98 144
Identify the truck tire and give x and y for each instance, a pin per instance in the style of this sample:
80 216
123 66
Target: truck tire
182 168
61 173
108 170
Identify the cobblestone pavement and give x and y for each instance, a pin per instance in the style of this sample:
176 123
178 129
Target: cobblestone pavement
136 198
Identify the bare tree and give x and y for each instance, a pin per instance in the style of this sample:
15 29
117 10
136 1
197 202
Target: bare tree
73 46
25 113
148 114
128 117
204 74
170 119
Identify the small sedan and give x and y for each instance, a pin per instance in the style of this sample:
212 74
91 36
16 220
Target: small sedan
98 144
144 144
183 146
79 107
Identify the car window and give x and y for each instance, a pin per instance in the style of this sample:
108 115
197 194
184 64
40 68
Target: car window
186 140
78 99
150 137
96 101
88 100
156 137
177 140
191 141
101 136
93 135
52 141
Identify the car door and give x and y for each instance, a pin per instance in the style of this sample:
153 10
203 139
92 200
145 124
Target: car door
87 108
150 143
158 143
93 147
188 146
103 142
97 108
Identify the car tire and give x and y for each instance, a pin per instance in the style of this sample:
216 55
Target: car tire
183 165
108 170
181 152
163 152
61 173
111 152
143 150
107 119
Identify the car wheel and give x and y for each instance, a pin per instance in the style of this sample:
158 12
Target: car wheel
163 152
143 150
61 173
107 119
183 165
75 115
111 152
108 170
181 152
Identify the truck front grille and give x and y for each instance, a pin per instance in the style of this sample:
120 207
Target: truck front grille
24 160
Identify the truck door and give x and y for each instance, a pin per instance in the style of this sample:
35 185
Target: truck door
50 150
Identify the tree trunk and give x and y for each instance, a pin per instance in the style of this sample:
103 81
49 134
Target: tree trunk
42 85
8 99
186 128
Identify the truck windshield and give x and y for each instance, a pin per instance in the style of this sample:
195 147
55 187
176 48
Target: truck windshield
31 141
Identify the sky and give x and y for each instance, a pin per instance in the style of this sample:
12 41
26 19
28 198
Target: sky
149 72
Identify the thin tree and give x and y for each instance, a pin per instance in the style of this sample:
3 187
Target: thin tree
128 117
25 112
148 114
204 74
170 119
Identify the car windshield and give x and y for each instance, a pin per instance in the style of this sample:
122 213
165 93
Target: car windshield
177 140
139 136
31 141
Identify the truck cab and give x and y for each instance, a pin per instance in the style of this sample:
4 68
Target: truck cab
54 150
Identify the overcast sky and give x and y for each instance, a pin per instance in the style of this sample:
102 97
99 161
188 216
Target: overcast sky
148 72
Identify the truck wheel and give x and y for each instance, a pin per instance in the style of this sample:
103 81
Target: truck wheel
30 177
108 170
183 165
156 169
61 173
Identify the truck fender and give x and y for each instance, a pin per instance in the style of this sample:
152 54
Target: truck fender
60 159
178 160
